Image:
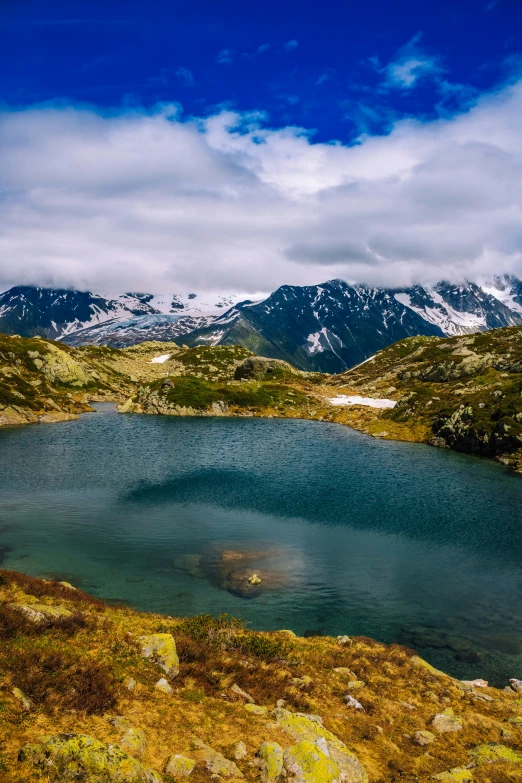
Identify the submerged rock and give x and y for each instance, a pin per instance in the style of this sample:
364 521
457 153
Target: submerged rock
161 649
78 757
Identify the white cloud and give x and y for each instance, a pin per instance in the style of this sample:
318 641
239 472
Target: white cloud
291 45
148 201
186 76
225 57
410 65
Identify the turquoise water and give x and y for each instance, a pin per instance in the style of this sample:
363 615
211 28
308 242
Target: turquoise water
396 541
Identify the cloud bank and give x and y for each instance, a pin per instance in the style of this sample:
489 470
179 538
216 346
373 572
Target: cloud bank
152 201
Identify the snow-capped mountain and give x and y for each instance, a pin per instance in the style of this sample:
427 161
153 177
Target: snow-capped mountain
328 327
335 325
57 313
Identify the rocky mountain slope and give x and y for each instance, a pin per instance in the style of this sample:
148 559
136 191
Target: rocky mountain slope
326 328
463 393
42 380
90 692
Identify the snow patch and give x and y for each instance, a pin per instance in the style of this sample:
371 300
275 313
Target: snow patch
160 359
370 402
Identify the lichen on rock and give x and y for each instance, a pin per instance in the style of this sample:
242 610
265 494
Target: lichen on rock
78 757
161 649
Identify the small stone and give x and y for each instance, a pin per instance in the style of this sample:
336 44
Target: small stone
346 672
24 700
119 721
240 692
355 685
344 640
256 709
133 741
164 686
424 737
270 756
516 685
68 585
476 683
351 702
240 750
130 683
302 682
179 766
446 721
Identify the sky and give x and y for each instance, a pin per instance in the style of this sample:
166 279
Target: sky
236 147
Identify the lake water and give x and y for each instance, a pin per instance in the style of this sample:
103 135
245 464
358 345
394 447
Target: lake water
400 542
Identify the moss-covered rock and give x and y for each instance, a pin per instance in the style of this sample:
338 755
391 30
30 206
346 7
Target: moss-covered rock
446 721
455 775
307 762
270 756
80 758
494 751
217 764
133 741
161 649
178 766
305 728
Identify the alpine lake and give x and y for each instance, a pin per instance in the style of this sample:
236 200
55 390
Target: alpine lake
348 534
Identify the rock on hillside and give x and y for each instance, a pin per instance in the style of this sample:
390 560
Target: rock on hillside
80 702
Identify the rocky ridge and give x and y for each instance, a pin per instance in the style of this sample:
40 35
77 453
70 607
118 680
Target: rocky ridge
90 692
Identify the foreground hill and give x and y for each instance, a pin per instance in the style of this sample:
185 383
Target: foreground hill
101 694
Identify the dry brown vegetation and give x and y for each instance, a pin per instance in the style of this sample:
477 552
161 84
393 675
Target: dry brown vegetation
75 672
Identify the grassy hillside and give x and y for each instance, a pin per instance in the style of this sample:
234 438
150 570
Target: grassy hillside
213 692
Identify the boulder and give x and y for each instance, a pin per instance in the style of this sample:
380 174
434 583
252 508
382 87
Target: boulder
259 368
494 751
217 764
308 762
41 613
270 756
305 728
179 766
161 649
78 757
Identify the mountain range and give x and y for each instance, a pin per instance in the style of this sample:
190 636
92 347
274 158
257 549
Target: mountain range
328 327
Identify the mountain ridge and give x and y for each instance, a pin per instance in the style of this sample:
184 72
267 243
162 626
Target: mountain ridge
327 328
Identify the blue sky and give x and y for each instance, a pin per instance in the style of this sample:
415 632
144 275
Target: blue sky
240 146
338 66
